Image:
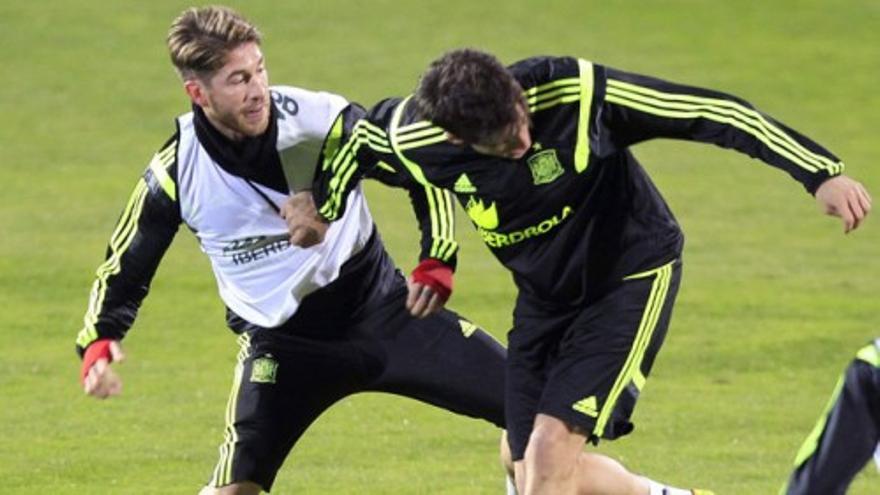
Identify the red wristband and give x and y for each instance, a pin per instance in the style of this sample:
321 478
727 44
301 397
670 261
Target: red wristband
436 275
99 349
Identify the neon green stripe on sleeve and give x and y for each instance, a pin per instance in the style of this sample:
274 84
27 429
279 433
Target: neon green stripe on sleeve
724 111
159 165
552 84
394 136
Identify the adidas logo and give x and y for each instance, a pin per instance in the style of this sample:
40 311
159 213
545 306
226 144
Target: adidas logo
463 185
467 328
587 406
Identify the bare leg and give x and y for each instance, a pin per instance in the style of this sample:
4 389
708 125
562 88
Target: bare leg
551 458
593 473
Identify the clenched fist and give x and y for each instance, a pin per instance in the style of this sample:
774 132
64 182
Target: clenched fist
306 227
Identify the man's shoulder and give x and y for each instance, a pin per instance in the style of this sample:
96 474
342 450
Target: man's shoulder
541 70
161 172
384 111
303 113
380 119
291 99
406 128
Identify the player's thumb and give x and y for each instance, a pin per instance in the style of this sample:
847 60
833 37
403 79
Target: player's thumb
116 352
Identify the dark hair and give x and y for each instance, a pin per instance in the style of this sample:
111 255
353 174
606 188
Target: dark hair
470 94
201 37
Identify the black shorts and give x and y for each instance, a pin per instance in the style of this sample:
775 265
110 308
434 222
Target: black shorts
586 366
285 380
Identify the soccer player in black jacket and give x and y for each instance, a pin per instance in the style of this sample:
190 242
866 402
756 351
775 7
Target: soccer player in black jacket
538 155
846 434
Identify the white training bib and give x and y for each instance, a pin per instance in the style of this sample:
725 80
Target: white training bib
260 275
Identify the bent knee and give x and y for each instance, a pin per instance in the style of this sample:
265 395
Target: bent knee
542 442
549 432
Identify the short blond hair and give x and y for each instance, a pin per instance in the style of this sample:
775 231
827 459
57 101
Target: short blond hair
201 37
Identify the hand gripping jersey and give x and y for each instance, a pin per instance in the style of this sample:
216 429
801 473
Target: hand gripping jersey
577 213
228 194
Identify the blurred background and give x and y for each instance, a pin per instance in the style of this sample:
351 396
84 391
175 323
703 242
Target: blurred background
774 303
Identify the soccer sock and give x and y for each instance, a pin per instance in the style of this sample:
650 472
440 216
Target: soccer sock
511 486
661 489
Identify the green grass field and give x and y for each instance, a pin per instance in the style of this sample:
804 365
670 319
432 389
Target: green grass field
775 299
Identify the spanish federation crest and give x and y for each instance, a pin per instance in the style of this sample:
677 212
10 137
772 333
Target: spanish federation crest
545 167
264 369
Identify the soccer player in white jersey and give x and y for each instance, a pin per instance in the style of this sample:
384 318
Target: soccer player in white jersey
315 324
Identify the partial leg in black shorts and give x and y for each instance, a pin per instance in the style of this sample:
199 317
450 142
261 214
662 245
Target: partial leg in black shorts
846 435
285 380
586 366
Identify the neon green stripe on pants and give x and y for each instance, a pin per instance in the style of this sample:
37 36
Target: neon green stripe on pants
223 471
631 371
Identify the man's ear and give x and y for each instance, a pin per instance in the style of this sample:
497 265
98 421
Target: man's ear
196 92
454 139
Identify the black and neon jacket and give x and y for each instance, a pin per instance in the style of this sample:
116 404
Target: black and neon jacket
143 233
577 213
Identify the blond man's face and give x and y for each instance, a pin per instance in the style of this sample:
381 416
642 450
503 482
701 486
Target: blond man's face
236 97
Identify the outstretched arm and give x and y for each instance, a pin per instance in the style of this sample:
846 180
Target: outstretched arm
346 156
635 108
358 147
348 153
142 235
